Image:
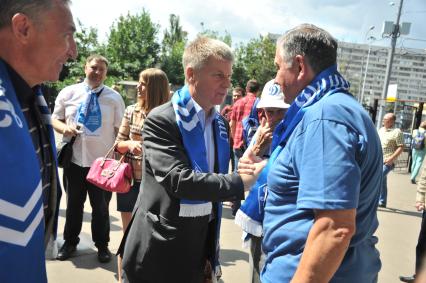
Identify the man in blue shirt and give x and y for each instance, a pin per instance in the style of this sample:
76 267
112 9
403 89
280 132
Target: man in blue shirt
324 175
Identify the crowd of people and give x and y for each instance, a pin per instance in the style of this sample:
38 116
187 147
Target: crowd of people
310 165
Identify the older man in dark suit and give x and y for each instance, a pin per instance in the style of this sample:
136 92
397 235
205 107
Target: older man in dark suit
173 236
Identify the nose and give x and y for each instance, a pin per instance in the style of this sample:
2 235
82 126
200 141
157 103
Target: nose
227 82
72 50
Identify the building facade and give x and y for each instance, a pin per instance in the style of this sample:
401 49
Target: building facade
408 72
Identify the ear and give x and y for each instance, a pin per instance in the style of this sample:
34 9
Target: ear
21 27
190 75
305 71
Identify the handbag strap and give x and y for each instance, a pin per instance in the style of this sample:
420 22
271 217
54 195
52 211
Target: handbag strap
111 149
71 142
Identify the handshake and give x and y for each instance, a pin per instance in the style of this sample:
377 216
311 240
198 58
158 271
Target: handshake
249 168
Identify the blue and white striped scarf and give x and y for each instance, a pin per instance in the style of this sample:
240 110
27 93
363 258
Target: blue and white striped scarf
22 239
250 215
89 112
193 141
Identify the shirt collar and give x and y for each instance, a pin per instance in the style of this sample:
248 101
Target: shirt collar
89 88
202 114
25 94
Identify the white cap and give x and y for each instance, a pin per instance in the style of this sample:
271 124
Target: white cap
272 96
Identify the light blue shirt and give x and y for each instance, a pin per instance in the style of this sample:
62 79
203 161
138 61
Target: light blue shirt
332 161
207 125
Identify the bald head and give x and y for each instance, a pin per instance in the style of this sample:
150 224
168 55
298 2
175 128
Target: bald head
389 120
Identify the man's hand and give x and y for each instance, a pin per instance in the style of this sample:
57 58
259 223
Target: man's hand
420 206
388 161
264 139
249 168
70 131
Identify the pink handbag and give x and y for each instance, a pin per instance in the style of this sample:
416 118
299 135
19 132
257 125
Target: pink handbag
110 174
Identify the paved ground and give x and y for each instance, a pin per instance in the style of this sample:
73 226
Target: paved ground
399 226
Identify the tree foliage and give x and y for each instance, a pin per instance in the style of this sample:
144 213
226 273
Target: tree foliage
216 35
132 45
255 60
86 39
172 48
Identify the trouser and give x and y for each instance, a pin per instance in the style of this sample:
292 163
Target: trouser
384 192
421 245
256 259
76 188
417 157
238 153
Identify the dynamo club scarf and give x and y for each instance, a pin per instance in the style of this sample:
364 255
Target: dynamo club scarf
89 113
250 216
193 141
21 195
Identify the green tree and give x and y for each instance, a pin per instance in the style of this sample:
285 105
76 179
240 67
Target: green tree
87 43
132 45
227 38
255 61
172 49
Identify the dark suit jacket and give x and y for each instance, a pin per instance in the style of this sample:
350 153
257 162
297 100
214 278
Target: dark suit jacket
159 246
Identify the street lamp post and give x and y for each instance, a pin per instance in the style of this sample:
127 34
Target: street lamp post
394 34
362 64
371 38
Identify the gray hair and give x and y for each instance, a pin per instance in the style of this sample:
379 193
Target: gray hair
312 42
32 8
199 51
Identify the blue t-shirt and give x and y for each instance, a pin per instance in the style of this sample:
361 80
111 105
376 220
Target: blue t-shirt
332 161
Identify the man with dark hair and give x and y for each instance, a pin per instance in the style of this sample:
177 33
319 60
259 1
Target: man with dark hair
91 112
324 175
36 39
241 110
237 94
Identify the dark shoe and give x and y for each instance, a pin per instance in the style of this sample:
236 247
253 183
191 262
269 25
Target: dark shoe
413 181
104 255
383 205
66 251
409 279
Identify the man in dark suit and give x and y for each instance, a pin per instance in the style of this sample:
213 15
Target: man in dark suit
175 226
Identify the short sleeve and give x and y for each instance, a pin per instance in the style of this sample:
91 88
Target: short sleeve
59 110
329 175
399 138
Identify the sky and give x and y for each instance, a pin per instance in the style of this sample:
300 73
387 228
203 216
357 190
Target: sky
346 20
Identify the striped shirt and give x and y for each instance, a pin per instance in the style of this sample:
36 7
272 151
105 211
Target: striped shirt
390 139
131 129
39 134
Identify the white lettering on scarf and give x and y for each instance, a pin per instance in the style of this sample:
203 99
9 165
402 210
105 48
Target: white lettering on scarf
222 129
6 105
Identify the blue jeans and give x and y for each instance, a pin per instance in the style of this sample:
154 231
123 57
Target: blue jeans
384 192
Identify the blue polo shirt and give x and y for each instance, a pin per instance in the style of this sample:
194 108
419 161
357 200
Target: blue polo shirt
332 161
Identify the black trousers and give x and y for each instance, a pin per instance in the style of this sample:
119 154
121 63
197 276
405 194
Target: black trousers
421 245
77 189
